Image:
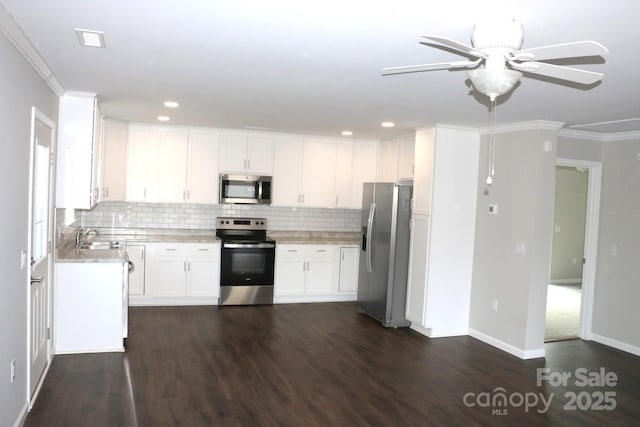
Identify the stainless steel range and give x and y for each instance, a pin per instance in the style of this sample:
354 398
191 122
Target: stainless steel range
247 261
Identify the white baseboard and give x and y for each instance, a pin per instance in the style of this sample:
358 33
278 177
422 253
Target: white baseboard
295 299
522 354
100 350
171 301
421 330
22 415
616 344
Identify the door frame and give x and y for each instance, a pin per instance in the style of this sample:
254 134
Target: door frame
590 241
38 115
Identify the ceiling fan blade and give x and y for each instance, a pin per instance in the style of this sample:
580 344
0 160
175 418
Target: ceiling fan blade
564 50
460 47
559 72
430 67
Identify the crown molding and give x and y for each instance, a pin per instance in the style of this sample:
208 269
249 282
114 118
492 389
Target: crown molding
599 136
17 37
523 126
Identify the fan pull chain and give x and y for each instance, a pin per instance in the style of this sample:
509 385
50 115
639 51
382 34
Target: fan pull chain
492 142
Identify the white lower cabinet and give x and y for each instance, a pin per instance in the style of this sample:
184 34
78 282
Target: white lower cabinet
310 273
349 257
89 307
181 274
136 269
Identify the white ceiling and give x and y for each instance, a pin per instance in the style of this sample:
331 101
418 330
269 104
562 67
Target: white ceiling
313 67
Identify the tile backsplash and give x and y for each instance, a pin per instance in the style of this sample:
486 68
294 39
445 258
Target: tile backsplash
194 216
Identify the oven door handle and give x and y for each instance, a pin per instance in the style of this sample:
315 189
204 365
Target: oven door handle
249 245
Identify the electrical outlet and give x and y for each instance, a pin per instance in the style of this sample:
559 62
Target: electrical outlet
13 370
494 304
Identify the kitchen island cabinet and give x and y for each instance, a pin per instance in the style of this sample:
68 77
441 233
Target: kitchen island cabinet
90 307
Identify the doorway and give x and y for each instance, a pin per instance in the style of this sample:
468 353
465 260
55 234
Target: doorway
572 273
40 249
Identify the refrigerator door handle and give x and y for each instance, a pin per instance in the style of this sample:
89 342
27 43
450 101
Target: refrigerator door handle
372 213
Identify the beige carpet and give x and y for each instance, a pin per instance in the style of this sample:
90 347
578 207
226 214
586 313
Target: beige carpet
563 312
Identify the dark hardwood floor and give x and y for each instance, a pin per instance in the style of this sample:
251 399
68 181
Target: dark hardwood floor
319 365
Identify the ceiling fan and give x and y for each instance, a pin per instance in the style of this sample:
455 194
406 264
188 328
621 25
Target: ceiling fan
497 61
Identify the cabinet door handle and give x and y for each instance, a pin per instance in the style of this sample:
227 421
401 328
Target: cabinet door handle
321 250
170 249
292 250
203 249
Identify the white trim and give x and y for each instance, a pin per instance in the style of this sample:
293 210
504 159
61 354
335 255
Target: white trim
138 300
522 354
616 344
523 126
590 241
18 38
421 330
599 136
294 299
93 351
36 392
22 415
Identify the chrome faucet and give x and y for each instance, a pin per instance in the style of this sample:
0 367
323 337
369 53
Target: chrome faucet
82 234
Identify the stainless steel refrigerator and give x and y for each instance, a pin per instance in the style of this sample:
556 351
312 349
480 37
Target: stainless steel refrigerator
384 252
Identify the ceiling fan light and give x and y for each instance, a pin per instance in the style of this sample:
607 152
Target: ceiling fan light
494 83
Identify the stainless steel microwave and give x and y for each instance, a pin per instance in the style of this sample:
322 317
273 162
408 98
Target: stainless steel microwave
245 189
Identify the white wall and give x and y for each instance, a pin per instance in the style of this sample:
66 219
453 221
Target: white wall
20 89
617 291
512 249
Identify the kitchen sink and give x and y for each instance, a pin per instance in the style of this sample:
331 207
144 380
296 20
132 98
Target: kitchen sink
101 245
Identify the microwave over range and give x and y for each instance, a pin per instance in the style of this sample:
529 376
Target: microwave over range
249 189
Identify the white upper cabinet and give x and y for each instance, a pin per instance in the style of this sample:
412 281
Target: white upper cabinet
78 153
363 168
142 164
344 156
423 175
172 164
318 172
202 178
246 152
396 159
406 155
114 157
287 170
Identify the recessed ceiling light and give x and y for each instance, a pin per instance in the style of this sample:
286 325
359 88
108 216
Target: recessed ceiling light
90 38
388 124
163 118
171 104
347 133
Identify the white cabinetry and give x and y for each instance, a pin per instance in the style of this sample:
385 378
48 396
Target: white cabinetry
114 159
318 172
314 273
89 307
349 257
136 253
246 152
287 170
305 171
142 164
344 157
78 151
363 169
396 159
181 274
202 176
172 164
443 229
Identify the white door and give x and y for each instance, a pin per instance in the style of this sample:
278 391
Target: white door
40 246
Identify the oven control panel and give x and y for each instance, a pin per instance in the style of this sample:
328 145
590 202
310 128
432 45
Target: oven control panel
235 223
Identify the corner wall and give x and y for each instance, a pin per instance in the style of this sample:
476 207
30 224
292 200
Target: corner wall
512 248
21 87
